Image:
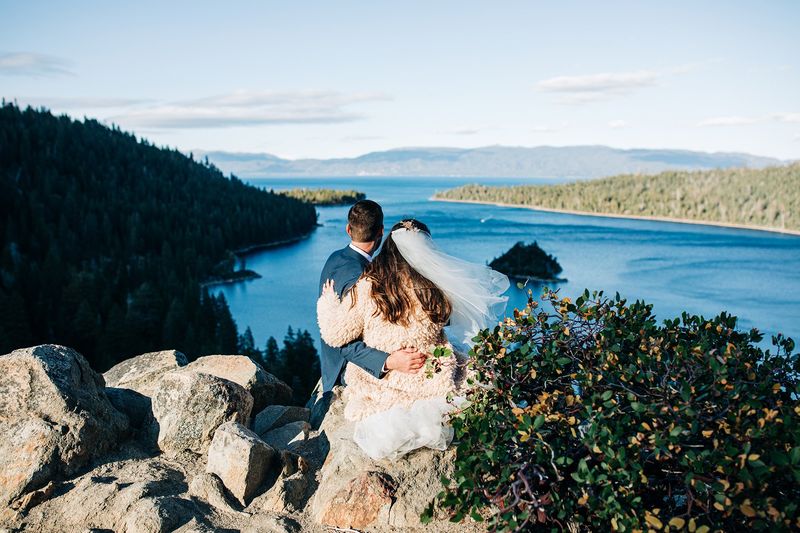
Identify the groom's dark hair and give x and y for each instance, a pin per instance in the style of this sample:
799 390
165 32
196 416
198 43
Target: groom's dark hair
366 220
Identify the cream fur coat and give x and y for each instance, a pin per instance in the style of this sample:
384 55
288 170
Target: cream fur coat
343 321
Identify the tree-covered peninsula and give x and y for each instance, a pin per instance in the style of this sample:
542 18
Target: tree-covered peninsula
767 198
105 239
325 197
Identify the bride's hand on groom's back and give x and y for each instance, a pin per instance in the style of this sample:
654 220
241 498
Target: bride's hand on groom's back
408 360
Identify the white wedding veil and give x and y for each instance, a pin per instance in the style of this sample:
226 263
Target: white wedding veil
473 290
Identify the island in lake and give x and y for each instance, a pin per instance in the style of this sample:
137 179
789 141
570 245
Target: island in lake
525 262
766 198
326 197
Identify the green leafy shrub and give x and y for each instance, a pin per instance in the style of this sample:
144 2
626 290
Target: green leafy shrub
594 417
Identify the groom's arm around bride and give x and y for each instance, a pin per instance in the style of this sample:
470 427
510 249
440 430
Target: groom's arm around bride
344 267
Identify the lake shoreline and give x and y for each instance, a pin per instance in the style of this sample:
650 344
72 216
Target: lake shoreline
275 244
250 275
794 233
236 277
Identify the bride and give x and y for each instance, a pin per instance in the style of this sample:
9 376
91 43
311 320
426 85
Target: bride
411 295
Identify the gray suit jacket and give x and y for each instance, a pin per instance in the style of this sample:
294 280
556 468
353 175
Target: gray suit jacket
344 267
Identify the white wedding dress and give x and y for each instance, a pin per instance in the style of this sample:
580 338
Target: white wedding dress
393 433
402 412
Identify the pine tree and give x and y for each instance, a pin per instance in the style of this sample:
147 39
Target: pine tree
226 335
300 363
143 320
86 327
272 358
247 346
174 331
15 330
114 339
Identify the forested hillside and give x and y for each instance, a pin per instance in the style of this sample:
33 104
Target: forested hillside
768 197
106 238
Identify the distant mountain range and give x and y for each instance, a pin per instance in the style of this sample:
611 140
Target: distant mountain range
491 161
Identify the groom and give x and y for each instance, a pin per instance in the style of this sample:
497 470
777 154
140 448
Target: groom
344 267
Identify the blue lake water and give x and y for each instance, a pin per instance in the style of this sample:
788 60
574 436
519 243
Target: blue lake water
700 269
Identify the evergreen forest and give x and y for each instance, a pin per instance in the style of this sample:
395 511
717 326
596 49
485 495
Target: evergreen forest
106 239
765 198
326 196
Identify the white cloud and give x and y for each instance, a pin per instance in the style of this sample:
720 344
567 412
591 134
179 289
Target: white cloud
250 108
599 82
200 117
594 87
31 64
588 88
728 121
57 102
616 124
787 117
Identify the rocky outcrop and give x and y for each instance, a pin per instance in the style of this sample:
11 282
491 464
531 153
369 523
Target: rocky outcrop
131 495
143 372
275 416
287 435
361 502
240 459
160 514
134 405
288 493
211 473
189 406
54 418
274 524
265 388
208 488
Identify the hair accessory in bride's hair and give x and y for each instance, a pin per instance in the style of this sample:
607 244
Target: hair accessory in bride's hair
409 225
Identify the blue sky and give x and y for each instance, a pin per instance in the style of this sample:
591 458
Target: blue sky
339 79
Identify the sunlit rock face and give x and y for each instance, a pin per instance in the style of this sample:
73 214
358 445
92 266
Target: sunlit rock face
54 417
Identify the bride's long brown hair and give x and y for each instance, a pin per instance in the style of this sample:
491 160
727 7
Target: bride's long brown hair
390 274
